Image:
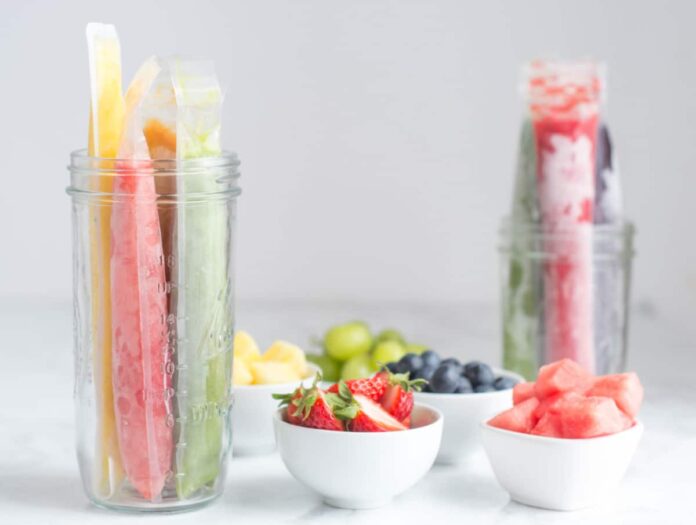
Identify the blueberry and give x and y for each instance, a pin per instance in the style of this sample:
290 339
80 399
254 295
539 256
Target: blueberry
427 388
504 383
430 358
479 373
484 388
463 386
410 363
445 379
451 361
425 372
393 367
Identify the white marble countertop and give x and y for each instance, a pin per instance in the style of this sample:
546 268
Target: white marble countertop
39 480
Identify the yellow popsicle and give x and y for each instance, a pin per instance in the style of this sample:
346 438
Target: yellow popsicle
105 128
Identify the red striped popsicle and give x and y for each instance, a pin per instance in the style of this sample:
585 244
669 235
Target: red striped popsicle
564 104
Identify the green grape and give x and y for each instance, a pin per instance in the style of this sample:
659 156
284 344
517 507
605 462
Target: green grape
357 367
330 368
387 352
413 348
390 335
348 340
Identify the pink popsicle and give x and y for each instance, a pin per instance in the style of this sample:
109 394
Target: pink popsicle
564 108
139 310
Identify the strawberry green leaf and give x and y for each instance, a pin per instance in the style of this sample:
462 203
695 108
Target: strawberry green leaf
342 408
285 399
405 381
344 391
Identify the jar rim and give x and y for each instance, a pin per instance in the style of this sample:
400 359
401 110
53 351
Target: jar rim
92 177
82 162
608 239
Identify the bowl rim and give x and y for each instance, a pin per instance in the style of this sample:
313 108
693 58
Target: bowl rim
439 417
636 428
314 369
478 395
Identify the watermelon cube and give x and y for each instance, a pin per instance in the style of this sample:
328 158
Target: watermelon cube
554 403
519 418
561 376
522 392
586 417
549 425
624 389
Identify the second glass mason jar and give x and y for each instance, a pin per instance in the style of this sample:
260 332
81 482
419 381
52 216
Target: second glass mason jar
525 258
153 327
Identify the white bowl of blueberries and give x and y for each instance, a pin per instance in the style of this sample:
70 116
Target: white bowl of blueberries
465 393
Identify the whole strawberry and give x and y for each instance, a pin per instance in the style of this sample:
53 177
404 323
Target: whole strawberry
370 387
398 396
310 407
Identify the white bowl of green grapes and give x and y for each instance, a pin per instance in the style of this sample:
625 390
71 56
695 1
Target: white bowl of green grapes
352 351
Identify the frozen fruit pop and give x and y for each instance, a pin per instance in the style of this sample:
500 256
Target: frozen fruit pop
522 323
608 202
203 304
564 105
523 299
105 128
159 118
608 278
142 395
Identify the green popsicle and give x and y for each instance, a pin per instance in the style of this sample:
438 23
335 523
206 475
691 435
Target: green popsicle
204 299
522 299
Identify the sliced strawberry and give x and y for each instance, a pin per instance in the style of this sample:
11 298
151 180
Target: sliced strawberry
398 397
321 415
372 418
370 387
310 407
360 413
398 403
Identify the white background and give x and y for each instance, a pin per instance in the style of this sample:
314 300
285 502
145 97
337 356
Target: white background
377 138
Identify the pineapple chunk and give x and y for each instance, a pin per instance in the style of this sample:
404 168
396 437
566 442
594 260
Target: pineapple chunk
241 375
245 348
284 352
273 372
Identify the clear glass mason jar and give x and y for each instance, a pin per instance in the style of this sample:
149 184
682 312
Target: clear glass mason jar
529 254
153 327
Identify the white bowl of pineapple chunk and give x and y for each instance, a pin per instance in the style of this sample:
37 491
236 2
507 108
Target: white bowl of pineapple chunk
256 376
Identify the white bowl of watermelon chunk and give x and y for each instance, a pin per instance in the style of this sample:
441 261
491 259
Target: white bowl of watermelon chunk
568 439
359 443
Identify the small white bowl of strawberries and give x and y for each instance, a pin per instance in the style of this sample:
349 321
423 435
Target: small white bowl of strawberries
348 442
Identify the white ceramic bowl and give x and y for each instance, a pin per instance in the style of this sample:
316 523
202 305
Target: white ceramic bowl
252 414
463 413
360 470
559 474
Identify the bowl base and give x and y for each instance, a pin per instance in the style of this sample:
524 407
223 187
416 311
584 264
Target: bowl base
343 503
559 507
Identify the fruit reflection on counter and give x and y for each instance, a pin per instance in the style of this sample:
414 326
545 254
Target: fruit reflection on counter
282 362
351 351
568 402
381 403
450 376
